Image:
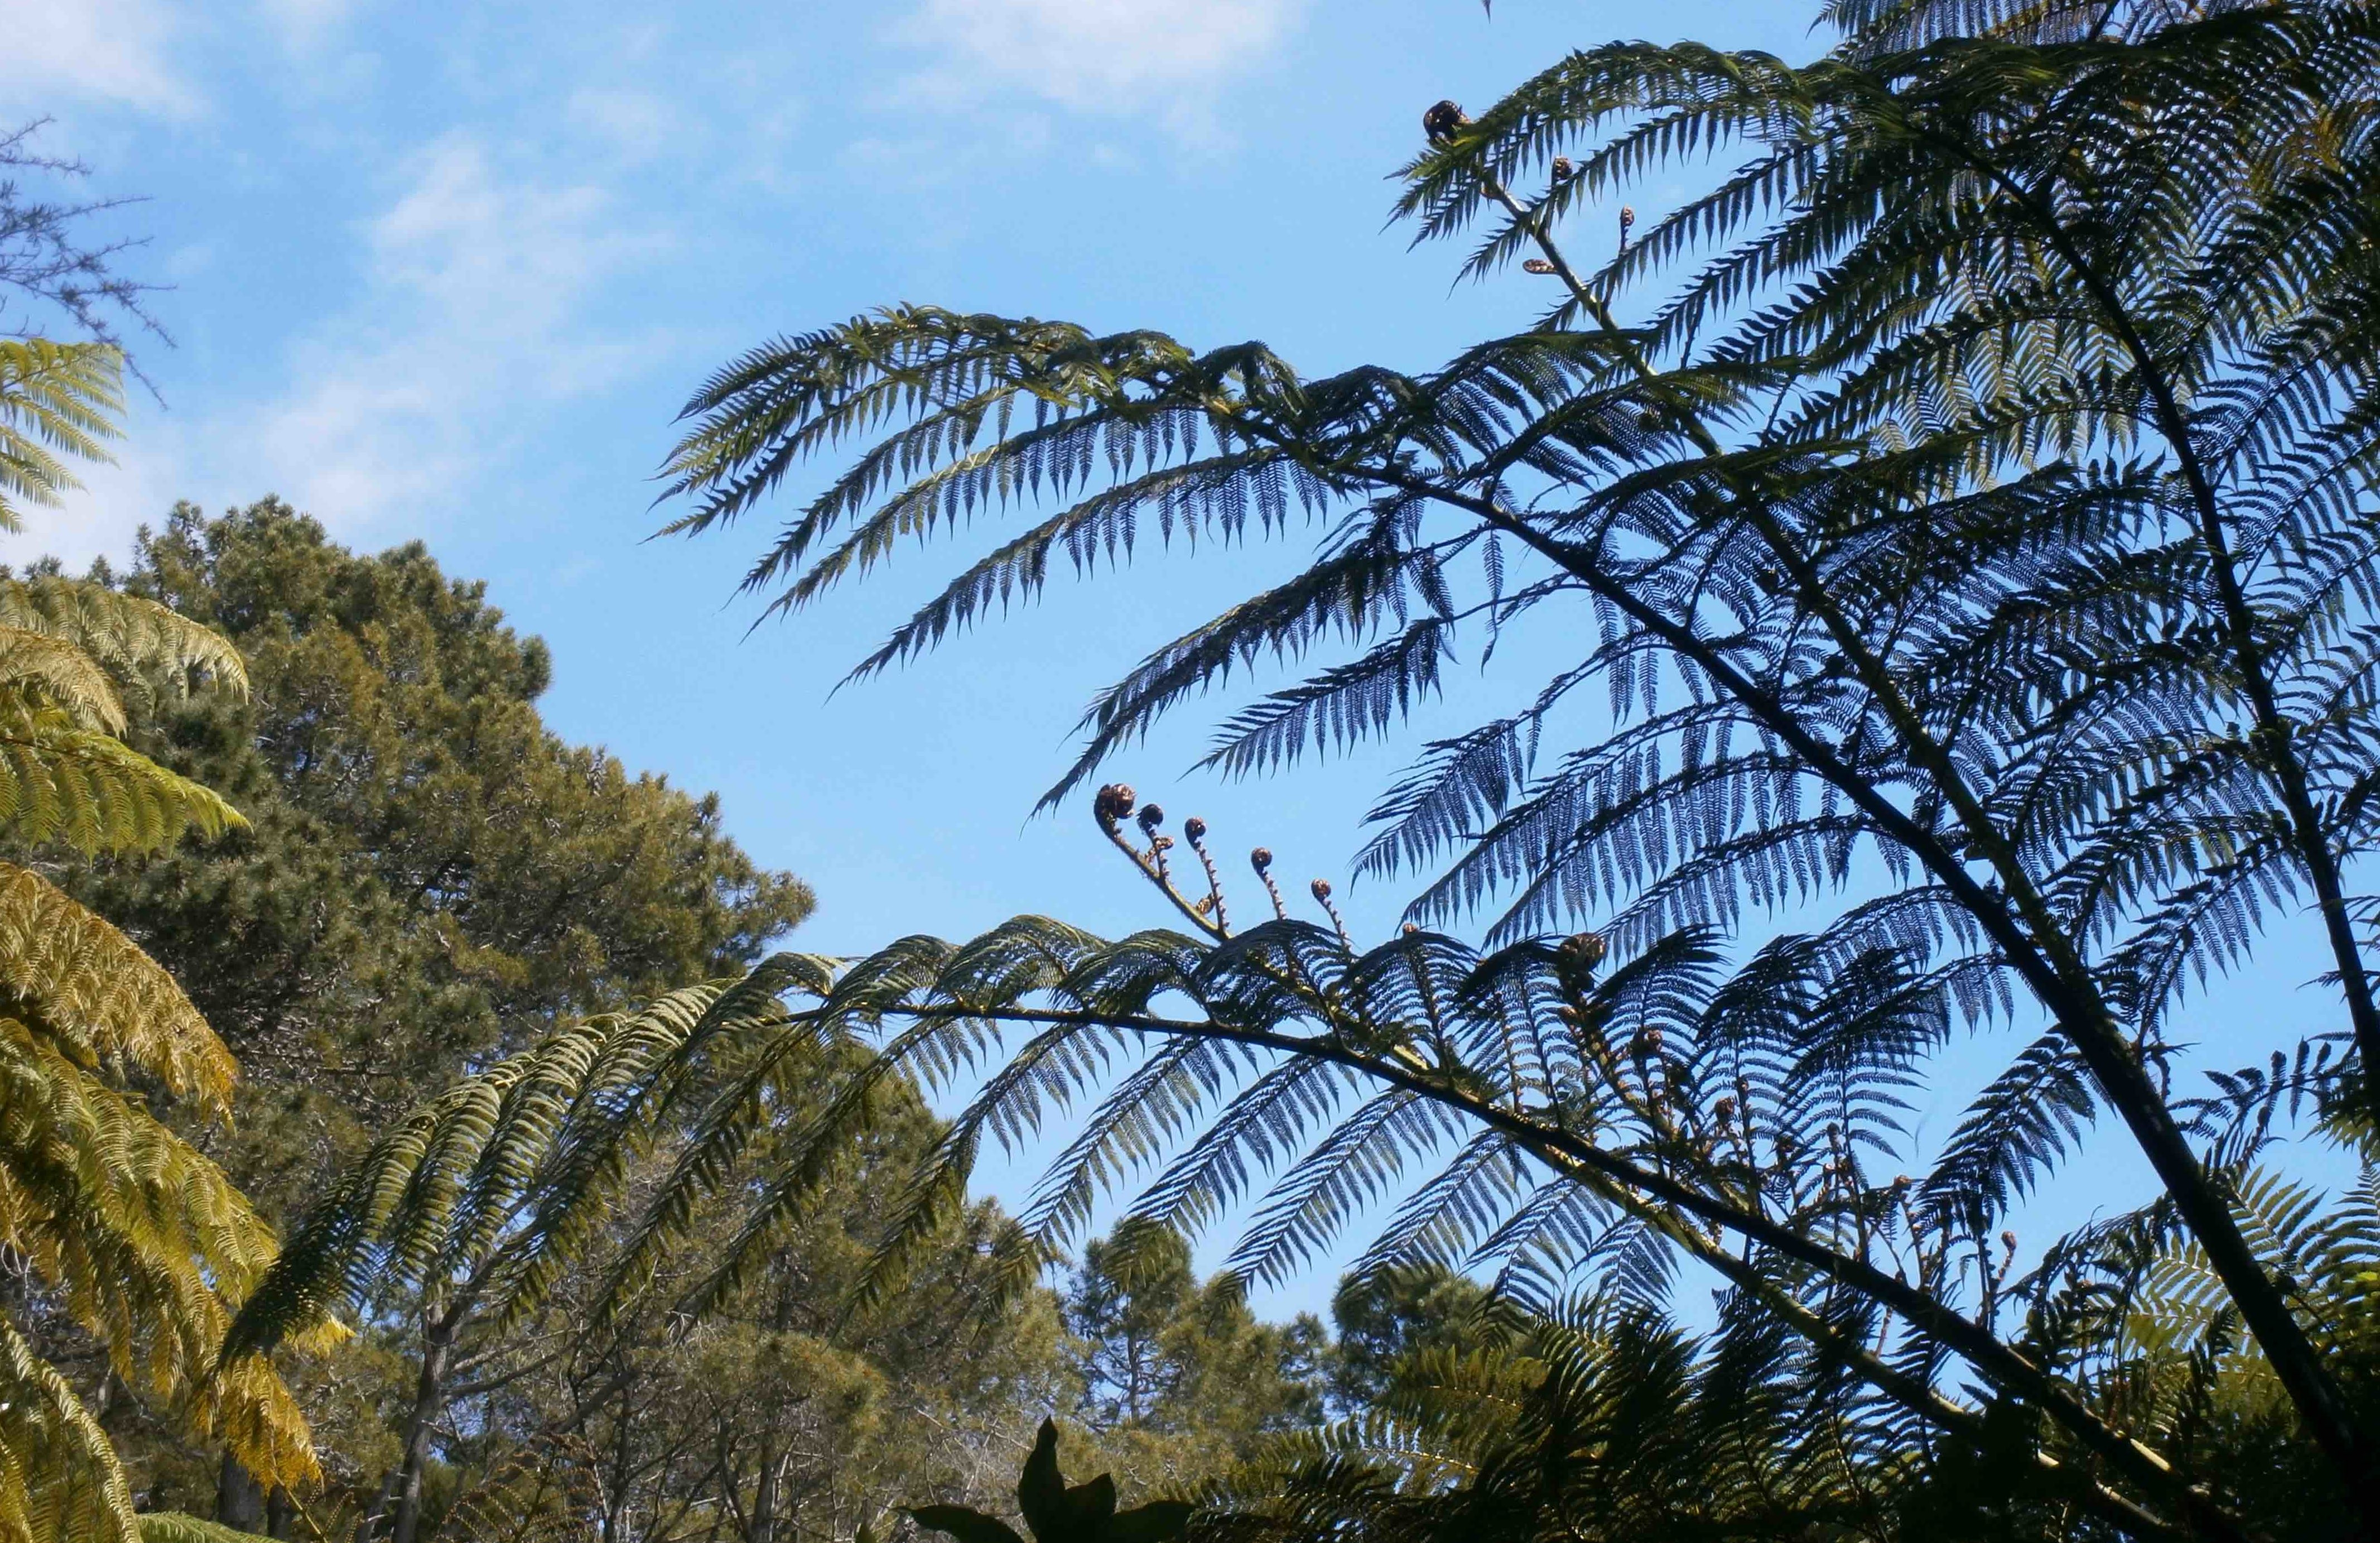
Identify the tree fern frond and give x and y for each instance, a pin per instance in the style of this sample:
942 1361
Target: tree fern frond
57 400
104 1001
91 791
60 1480
1974 543
174 1527
62 674
135 639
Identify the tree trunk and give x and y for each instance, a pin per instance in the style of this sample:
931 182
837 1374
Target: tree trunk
429 1399
773 1460
368 1525
239 1500
764 1496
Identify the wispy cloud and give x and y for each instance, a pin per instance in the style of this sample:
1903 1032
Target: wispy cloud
1162 59
491 273
475 320
304 23
113 52
633 124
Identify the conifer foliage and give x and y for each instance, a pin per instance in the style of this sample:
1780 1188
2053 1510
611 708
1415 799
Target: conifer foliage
1970 487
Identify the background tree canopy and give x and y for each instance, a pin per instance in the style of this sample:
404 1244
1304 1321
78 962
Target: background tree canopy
431 888
430 876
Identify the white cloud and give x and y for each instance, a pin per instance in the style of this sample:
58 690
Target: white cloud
634 124
1161 58
303 24
473 321
506 258
107 51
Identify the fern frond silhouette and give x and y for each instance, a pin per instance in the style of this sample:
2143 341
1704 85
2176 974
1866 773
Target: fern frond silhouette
1556 1116
1970 488
1057 1511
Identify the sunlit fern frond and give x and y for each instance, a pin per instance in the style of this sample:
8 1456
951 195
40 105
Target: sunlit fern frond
58 402
63 673
98 996
129 1219
70 653
484 1192
60 1480
145 1237
109 1217
143 1240
91 791
137 640
649 1059
175 1527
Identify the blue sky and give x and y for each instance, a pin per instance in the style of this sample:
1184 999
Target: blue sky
447 272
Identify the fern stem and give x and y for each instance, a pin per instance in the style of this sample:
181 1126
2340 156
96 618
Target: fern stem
2275 736
2311 1388
2057 978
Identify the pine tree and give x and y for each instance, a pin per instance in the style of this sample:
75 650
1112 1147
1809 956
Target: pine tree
1388 1315
430 875
1178 1375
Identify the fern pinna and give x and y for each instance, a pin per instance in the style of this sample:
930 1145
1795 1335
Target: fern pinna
57 400
114 1222
1970 487
1574 1124
464 1215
